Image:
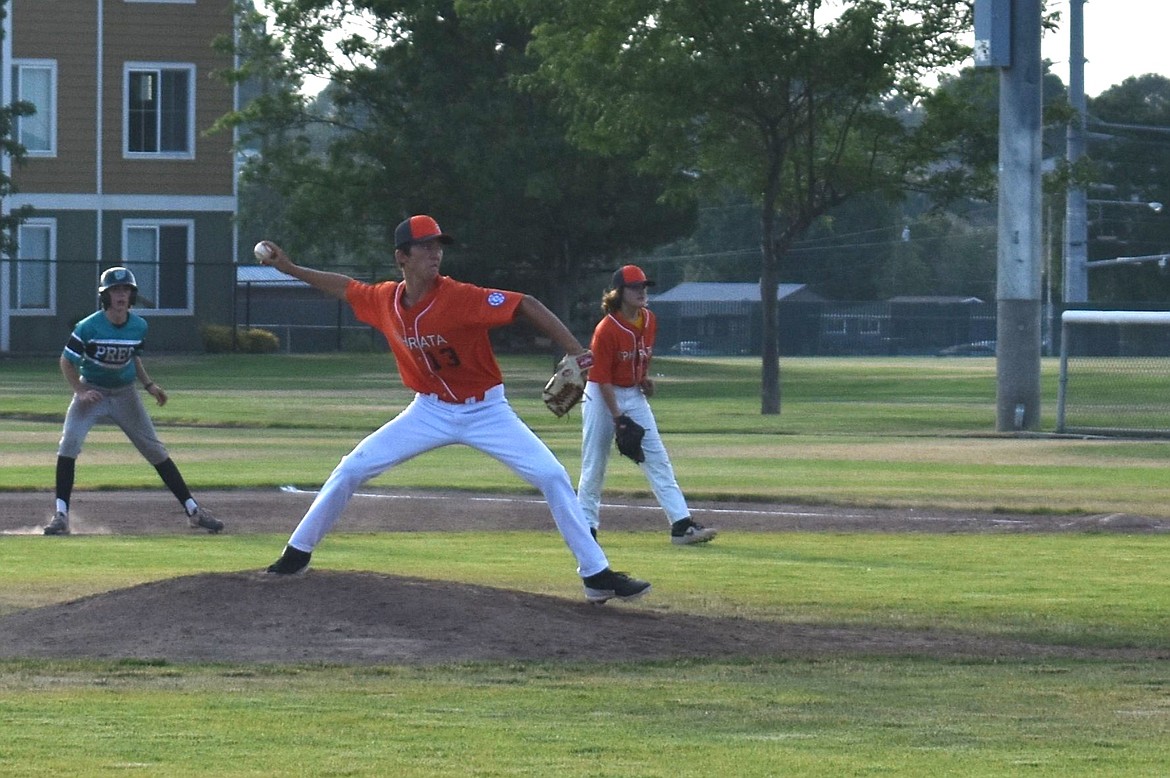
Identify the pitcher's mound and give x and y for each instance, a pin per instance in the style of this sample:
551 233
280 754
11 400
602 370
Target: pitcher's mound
369 618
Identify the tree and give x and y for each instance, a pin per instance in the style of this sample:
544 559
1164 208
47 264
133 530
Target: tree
1130 156
760 97
10 219
1128 161
960 121
10 147
422 115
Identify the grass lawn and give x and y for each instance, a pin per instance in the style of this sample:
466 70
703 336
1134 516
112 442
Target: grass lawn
883 432
860 432
815 718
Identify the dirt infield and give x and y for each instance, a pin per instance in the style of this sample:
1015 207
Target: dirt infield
370 618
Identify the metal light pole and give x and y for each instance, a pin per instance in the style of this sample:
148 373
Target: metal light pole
1076 226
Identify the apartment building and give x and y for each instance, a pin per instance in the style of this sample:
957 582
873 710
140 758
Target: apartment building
121 169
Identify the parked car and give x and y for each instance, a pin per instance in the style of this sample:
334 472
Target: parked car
690 348
978 348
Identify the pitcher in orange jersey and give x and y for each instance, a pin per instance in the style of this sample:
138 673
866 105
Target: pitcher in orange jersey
438 328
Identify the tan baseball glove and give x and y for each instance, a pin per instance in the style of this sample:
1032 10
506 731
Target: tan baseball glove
567 385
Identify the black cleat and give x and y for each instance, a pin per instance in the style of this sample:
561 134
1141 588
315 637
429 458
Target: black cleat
202 519
685 532
607 585
59 525
292 562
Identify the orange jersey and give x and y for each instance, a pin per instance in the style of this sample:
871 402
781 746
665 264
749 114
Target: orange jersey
622 349
441 342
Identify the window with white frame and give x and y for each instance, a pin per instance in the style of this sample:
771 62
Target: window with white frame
36 262
160 110
160 254
833 324
36 83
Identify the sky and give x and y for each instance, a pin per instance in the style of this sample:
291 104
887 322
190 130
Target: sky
1123 38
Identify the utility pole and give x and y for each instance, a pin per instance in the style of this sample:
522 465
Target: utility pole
1007 37
1020 226
1076 227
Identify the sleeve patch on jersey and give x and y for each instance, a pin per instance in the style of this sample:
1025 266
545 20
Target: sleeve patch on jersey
496 299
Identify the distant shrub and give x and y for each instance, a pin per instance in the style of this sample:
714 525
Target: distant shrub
258 341
217 339
357 342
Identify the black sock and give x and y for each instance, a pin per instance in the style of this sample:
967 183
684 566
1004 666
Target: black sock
66 467
174 481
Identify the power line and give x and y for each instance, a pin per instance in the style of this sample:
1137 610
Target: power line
1141 127
798 248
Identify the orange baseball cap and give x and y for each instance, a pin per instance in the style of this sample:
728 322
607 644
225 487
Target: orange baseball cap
417 229
628 275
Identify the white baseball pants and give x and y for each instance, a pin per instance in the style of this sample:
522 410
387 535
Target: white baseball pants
491 426
597 446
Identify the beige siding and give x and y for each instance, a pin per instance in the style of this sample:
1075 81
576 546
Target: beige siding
65 30
144 32
90 229
62 30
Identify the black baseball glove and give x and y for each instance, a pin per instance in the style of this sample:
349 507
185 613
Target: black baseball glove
629 434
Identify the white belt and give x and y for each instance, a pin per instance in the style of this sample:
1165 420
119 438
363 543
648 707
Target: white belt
494 393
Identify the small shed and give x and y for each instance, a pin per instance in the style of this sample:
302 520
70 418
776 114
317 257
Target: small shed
706 317
305 319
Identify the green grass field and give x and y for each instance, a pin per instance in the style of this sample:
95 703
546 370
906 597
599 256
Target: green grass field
901 432
885 432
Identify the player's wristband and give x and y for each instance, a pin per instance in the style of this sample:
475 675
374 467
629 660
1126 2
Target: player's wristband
147 385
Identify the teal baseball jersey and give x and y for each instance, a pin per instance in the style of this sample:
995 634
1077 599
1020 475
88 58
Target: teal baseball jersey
104 352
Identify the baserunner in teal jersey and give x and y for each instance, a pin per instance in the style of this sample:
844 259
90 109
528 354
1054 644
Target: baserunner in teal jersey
101 362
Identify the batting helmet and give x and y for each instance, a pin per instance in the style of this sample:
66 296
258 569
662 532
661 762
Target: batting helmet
116 276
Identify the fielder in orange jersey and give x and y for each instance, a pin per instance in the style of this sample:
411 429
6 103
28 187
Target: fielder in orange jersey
617 391
437 328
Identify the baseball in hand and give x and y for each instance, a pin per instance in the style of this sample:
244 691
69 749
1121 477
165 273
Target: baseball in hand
263 251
